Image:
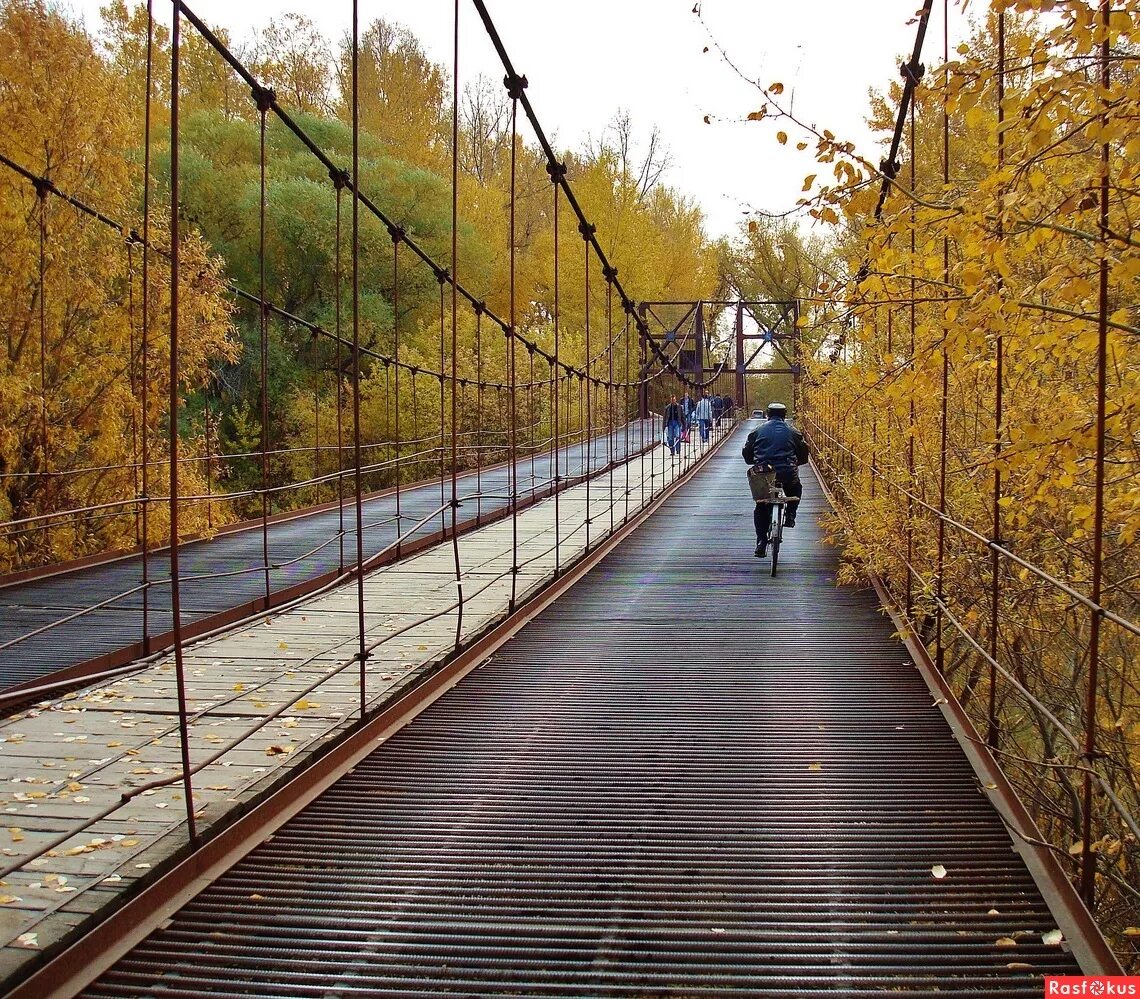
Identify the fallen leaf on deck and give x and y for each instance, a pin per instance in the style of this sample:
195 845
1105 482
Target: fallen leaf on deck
1005 942
28 940
816 766
9 899
279 750
938 871
1053 938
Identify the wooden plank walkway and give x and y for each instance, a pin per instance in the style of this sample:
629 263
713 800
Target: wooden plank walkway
302 547
291 677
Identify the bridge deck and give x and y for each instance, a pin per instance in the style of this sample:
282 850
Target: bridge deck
295 545
684 778
262 699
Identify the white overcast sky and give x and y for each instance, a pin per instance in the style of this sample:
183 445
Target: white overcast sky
586 59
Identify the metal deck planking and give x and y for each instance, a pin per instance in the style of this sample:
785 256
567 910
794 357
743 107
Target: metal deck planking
684 778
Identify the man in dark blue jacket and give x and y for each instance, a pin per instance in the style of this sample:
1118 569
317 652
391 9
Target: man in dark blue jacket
776 444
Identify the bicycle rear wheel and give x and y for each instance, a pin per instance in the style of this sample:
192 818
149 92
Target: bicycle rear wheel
777 533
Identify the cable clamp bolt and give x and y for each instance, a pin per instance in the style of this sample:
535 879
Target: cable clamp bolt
557 171
586 229
912 71
515 85
340 177
396 233
263 97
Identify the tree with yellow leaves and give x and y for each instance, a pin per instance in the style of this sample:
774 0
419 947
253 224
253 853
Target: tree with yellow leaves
71 419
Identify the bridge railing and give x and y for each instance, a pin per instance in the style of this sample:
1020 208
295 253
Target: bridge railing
973 415
546 389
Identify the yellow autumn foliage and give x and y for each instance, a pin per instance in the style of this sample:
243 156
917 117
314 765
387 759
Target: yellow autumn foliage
1002 265
71 417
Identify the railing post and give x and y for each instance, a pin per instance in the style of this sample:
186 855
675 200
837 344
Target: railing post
1088 857
741 385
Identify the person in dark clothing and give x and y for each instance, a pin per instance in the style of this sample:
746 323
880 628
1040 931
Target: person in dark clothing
778 445
674 424
687 411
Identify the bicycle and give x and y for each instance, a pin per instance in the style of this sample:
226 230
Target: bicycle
766 489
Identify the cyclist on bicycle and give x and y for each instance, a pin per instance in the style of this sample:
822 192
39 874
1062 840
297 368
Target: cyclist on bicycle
776 444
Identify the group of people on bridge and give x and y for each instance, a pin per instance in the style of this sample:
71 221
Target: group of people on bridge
705 412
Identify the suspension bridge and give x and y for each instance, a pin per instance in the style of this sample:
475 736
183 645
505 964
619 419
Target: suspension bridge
504 704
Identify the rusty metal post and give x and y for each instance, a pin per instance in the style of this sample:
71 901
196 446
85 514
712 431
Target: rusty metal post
480 308
555 178
995 562
514 88
912 71
263 100
940 591
627 416
362 653
587 231
643 378
145 347
741 385
1088 858
397 238
173 402
699 341
797 358
338 184
209 463
610 389
442 277
454 334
